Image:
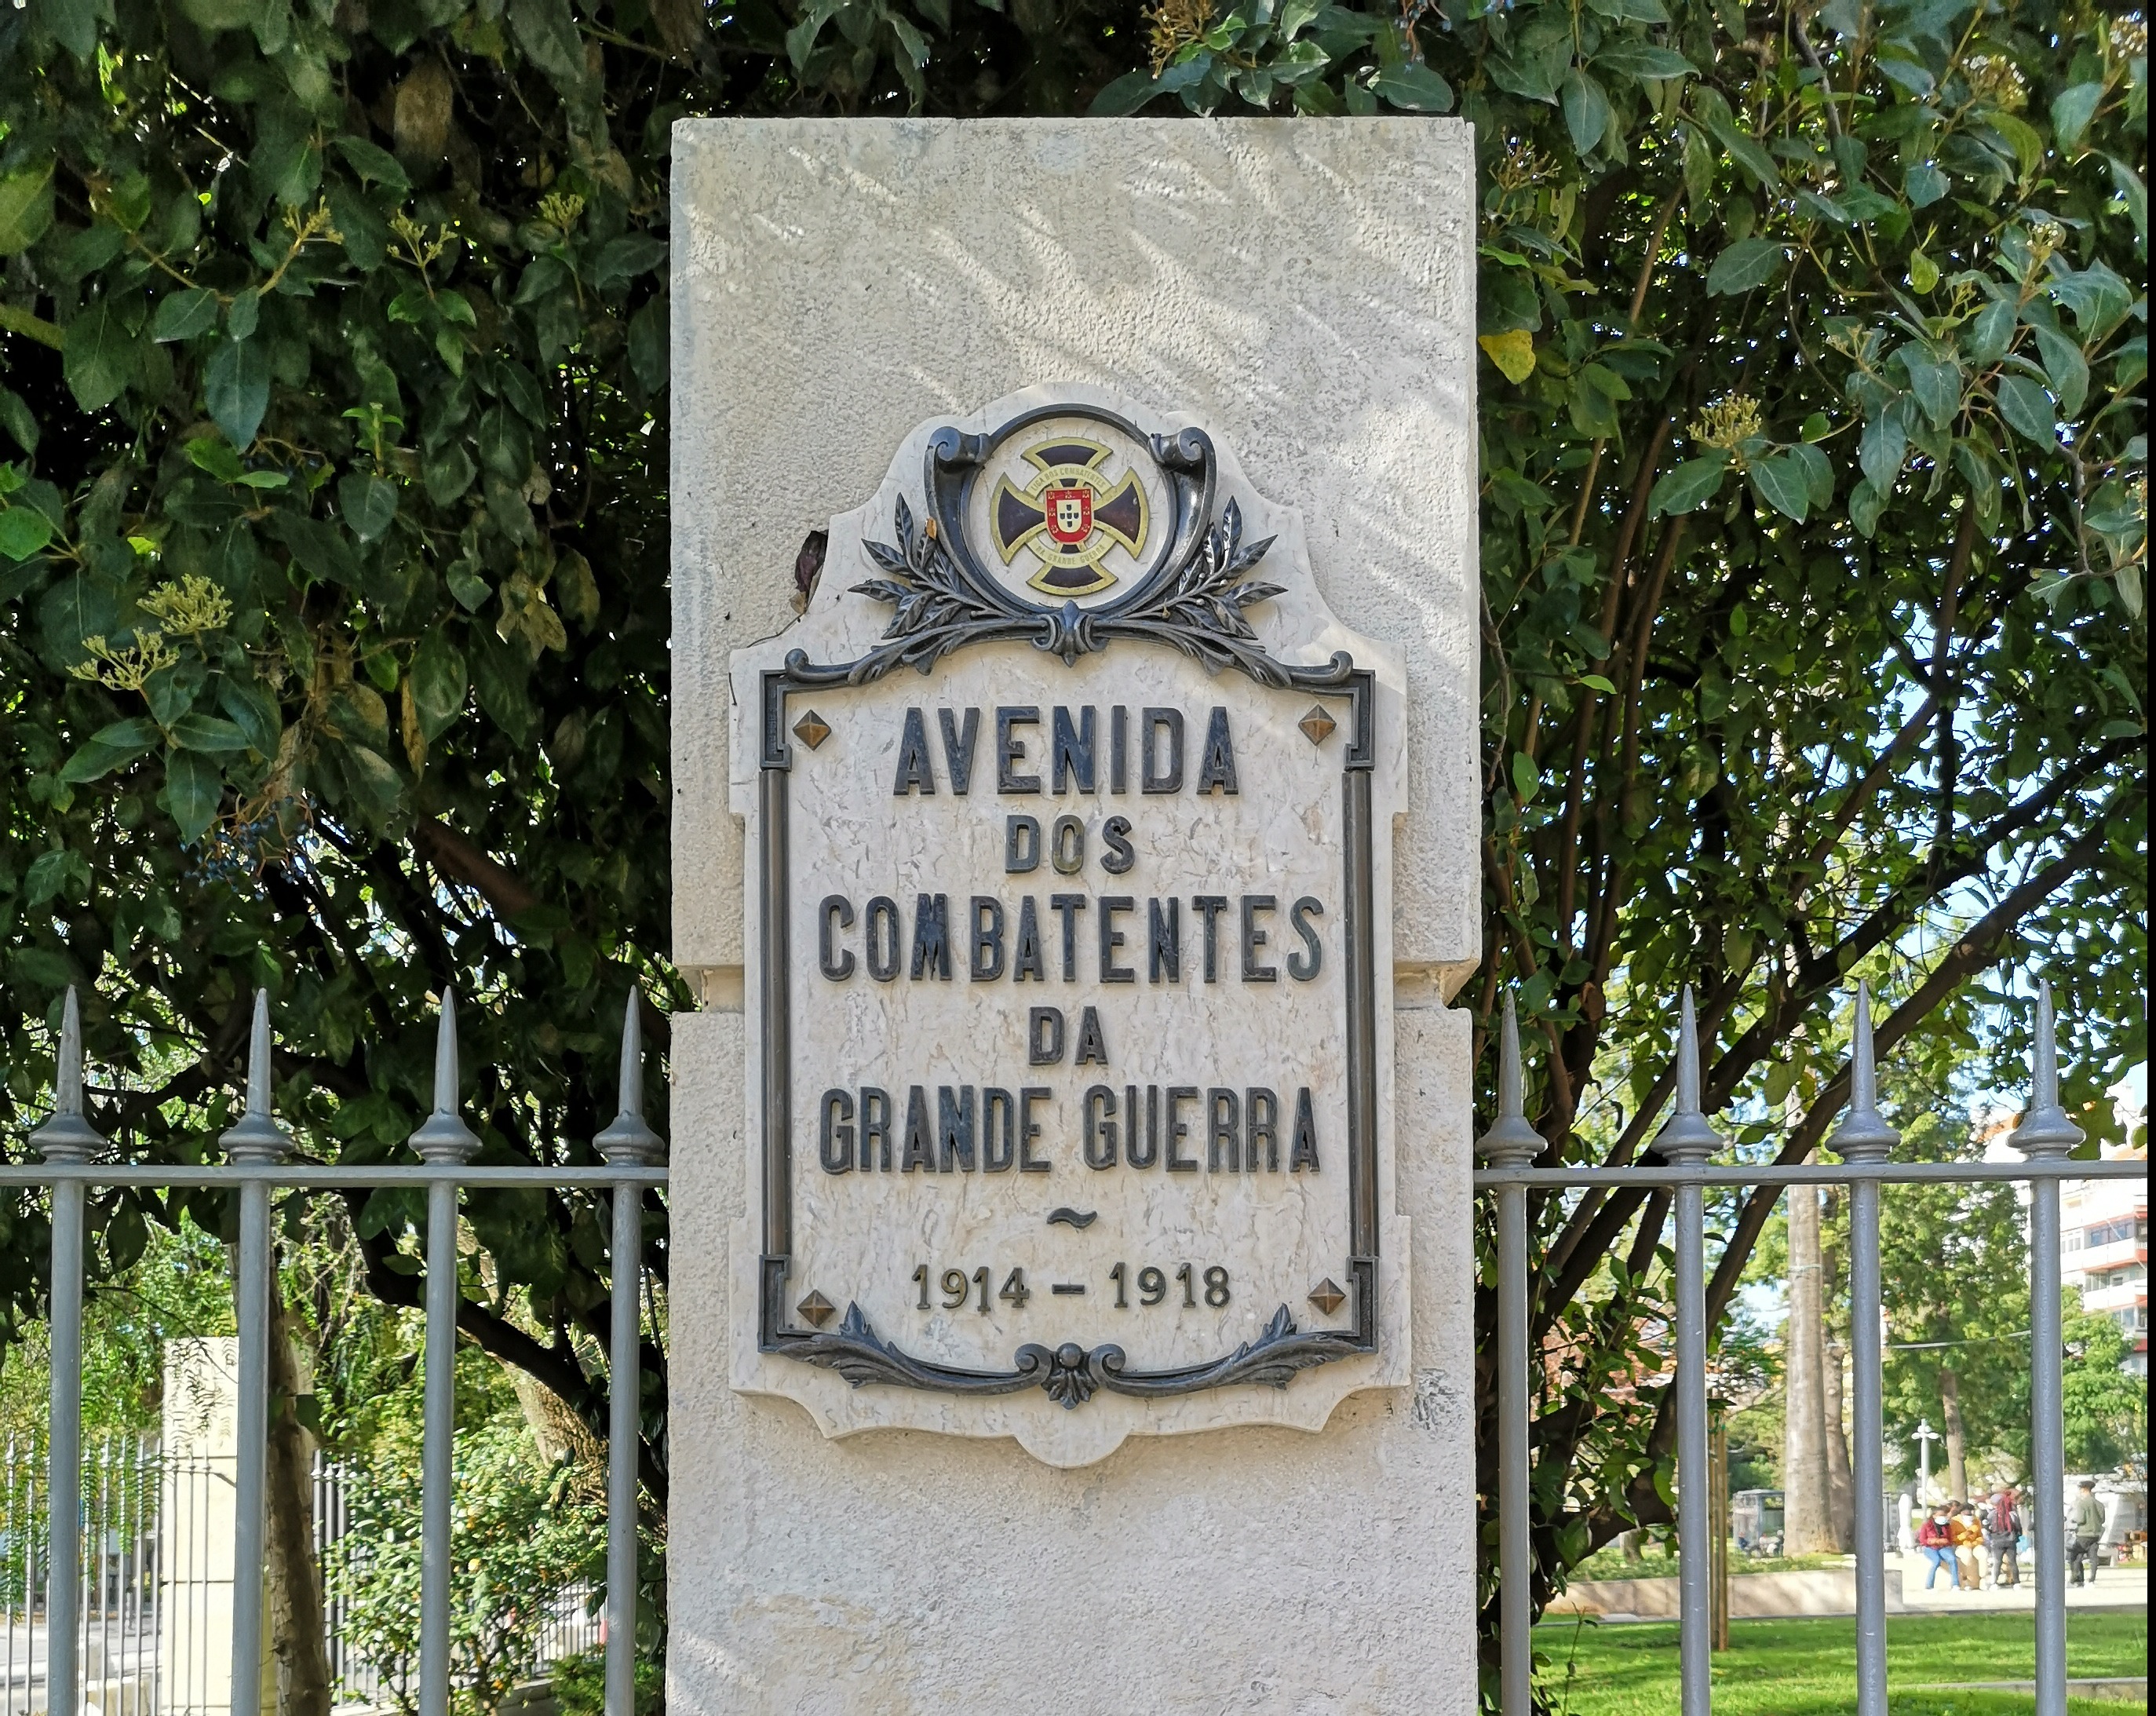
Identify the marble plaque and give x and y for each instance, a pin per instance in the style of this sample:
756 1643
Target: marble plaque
1069 803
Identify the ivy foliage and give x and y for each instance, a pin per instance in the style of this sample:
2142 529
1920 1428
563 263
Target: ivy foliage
333 556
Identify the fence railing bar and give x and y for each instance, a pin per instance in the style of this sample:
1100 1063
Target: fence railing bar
257 1137
628 1142
2052 1170
300 1175
66 1139
1688 1138
1864 1136
2046 1134
1511 1142
443 1141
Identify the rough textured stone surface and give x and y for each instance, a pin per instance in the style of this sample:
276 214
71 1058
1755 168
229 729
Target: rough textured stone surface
1301 289
1304 288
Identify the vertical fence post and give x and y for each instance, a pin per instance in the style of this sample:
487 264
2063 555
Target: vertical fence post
629 1143
1864 1136
2046 1134
1511 1142
256 1141
67 1137
1686 1142
446 1143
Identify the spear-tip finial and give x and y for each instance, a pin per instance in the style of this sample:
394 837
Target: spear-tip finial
68 1136
445 1137
256 1136
1510 1140
1864 1135
2046 1129
628 1141
1688 1138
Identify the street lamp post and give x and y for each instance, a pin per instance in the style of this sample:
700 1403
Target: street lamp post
1925 1435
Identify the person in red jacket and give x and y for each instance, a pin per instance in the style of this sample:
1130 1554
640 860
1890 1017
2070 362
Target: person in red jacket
2003 1526
1935 1543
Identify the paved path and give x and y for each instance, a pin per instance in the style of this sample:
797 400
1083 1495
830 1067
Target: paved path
2115 1588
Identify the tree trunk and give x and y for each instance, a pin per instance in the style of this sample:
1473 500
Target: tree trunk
1956 1439
1841 1495
298 1641
1808 1524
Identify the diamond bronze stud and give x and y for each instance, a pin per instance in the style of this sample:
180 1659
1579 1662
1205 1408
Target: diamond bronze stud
1328 1296
1317 726
816 1309
812 730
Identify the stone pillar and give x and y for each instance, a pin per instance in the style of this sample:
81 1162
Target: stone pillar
199 1440
1302 290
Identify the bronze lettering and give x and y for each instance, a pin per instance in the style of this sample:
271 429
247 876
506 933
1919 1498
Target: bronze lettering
1028 1128
836 1137
1303 1152
1021 844
1179 1128
876 1128
1120 857
958 743
1027 960
1044 1037
882 938
1154 726
1222 1131
986 962
1164 941
1070 751
1304 966
915 775
1069 906
932 936
1209 906
1010 749
835 914
998 1149
1092 1046
954 1128
1112 938
1098 1140
1216 771
1255 939
919 1155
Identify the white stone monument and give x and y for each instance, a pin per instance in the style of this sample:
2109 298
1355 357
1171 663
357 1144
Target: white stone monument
1072 1274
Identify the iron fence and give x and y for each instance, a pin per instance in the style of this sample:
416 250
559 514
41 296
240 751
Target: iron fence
62 1621
1865 1143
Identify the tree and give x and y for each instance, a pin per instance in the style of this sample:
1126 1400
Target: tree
1813 541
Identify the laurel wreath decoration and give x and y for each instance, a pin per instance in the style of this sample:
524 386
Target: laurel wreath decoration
1071 1374
942 605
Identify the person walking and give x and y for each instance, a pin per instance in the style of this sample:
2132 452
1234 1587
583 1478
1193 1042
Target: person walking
2085 1518
2002 1536
1935 1543
1967 1535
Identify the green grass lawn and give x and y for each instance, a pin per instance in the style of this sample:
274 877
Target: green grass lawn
1809 1668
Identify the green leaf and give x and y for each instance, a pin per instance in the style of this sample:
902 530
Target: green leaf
26 206
1780 480
108 748
1936 386
1689 487
620 260
2023 138
2071 110
448 472
23 529
99 356
547 31
1526 778
1415 88
1586 108
210 734
244 314
319 549
193 789
1884 446
48 875
1644 60
2066 369
184 314
1747 264
236 389
1865 504
374 164
437 683
1991 331
16 418
2027 409
369 503
1819 475
1124 96
1924 184
253 712
1595 681
1512 352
